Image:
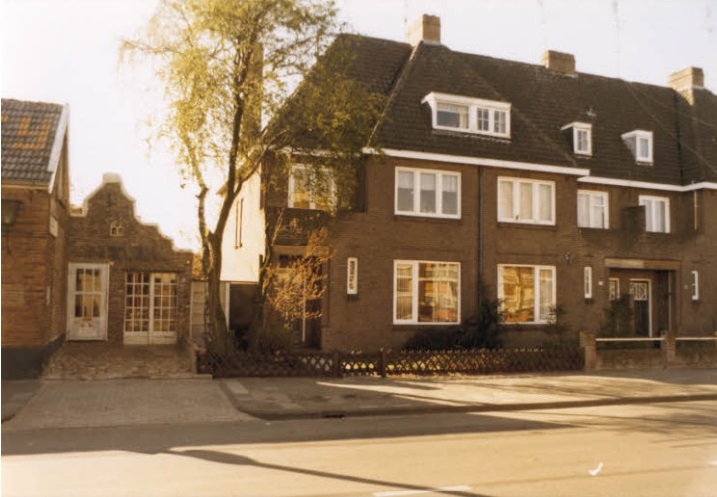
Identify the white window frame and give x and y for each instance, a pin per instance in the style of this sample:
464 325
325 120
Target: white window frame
695 286
352 276
577 128
312 202
493 107
515 217
588 282
416 211
414 293
592 195
637 135
650 217
536 291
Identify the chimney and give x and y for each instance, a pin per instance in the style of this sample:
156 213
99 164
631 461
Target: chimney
559 62
686 79
427 29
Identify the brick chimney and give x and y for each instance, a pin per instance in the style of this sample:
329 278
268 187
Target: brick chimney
559 62
427 29
686 79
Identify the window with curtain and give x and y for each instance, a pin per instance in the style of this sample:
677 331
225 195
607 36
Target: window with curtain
429 193
592 209
527 293
657 213
526 201
426 292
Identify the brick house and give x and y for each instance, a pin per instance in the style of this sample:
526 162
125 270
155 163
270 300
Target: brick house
550 186
35 216
127 283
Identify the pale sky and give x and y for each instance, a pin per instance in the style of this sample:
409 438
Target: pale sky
66 51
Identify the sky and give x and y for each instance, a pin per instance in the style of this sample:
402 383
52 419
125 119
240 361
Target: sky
66 51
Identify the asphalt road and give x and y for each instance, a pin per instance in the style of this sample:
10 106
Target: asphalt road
633 450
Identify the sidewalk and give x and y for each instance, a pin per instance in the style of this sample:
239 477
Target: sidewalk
78 404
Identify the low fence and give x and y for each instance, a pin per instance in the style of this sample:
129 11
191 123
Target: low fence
649 352
385 363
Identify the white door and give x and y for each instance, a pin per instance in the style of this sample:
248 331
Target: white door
87 301
150 308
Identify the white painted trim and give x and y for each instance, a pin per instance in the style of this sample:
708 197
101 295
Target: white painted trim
417 190
596 180
644 199
536 290
695 285
638 134
352 283
588 282
606 203
104 303
414 293
56 152
516 182
478 161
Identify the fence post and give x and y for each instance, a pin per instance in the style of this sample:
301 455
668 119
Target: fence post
337 364
669 348
589 345
382 363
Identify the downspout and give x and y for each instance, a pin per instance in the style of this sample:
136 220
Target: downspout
480 238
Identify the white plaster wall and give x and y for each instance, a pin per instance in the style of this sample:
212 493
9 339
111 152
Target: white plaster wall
241 257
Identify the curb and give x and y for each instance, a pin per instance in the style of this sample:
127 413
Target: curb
273 415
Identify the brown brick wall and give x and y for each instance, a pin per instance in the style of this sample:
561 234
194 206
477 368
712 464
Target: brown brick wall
378 237
32 272
140 248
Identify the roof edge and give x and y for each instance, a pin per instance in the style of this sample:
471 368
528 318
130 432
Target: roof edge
56 152
478 161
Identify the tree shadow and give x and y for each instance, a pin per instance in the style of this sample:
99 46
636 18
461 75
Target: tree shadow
238 460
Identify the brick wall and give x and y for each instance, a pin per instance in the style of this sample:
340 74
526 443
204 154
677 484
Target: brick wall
377 237
139 247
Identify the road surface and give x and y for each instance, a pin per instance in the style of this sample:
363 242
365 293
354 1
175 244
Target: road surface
633 450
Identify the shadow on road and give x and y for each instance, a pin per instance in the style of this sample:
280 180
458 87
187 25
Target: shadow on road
152 439
234 459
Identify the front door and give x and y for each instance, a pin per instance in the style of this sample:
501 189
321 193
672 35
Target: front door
640 296
87 302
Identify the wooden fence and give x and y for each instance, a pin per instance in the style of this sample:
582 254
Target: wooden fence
384 363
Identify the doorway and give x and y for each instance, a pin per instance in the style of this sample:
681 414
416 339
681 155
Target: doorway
641 299
87 301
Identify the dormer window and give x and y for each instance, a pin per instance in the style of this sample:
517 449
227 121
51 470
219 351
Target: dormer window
581 137
469 115
640 144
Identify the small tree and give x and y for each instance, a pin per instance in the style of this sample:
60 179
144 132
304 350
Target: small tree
227 68
287 289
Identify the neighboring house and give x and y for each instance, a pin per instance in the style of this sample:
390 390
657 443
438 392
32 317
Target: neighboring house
35 214
127 283
550 186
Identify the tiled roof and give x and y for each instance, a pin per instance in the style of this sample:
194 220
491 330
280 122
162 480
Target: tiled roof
30 132
542 102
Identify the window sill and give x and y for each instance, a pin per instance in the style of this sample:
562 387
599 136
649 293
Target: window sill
421 326
530 226
418 217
